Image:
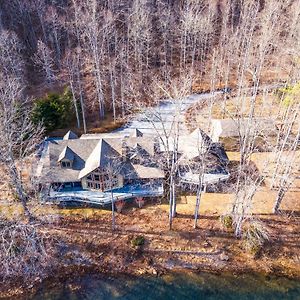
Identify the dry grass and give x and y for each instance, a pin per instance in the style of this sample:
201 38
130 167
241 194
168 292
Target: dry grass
265 164
265 106
94 125
219 203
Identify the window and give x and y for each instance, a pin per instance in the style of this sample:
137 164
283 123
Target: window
66 164
101 181
105 186
89 184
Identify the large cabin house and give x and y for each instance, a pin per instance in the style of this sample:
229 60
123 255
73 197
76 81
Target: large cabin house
124 163
99 163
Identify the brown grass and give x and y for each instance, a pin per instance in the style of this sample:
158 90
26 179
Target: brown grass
265 106
94 125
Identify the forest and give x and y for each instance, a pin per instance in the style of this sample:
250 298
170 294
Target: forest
112 53
81 64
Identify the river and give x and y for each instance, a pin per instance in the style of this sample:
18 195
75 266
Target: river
175 286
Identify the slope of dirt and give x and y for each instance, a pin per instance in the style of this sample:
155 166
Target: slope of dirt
91 246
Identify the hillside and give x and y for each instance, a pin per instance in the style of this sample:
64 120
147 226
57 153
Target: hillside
114 53
140 137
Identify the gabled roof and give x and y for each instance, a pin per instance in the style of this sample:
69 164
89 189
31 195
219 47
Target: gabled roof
67 153
70 135
194 144
218 150
97 151
137 133
201 136
145 143
52 171
236 127
101 156
139 171
138 150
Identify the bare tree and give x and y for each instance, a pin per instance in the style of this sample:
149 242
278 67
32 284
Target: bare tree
88 16
113 169
286 157
196 32
166 126
290 164
55 28
19 137
45 60
11 60
25 251
72 63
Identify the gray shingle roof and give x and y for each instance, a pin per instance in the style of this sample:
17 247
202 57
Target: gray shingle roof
89 154
70 135
52 171
102 155
67 153
134 171
145 143
236 127
137 133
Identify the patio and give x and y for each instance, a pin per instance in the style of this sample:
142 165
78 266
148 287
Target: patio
104 198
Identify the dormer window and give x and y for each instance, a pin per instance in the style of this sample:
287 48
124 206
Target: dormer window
66 164
66 158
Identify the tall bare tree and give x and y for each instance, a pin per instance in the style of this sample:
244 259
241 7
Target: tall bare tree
44 58
19 137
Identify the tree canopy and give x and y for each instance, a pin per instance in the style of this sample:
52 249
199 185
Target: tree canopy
54 111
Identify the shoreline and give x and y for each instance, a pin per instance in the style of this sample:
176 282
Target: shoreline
89 247
67 276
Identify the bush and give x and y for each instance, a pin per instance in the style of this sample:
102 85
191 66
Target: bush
255 237
290 93
138 241
54 111
227 221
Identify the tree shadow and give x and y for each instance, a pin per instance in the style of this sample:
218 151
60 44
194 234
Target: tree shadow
191 217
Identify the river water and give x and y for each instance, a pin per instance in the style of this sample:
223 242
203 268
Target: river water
175 286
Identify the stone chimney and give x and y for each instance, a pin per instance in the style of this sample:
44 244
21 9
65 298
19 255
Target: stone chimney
125 150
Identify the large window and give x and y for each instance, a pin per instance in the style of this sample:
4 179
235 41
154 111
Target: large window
100 180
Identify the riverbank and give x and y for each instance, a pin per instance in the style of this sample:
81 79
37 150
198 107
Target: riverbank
89 246
173 285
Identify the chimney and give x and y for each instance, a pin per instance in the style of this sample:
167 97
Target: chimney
125 150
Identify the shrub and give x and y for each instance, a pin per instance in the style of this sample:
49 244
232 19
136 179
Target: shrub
138 241
255 236
227 221
290 93
54 111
